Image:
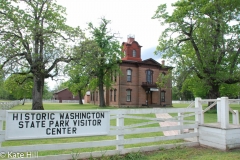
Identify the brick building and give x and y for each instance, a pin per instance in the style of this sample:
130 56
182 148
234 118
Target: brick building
137 84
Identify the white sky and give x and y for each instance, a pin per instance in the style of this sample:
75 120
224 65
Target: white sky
127 17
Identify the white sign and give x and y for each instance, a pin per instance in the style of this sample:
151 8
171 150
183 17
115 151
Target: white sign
154 89
54 124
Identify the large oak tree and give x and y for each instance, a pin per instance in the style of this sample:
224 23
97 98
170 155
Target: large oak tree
202 39
33 37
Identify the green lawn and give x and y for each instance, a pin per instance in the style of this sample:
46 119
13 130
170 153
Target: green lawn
166 154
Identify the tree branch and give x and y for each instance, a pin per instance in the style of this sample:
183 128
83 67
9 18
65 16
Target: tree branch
9 58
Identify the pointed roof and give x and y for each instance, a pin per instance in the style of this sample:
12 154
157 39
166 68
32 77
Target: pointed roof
151 61
60 90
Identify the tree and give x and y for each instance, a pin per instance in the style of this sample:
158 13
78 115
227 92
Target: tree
3 93
19 86
107 56
202 38
82 72
164 80
33 38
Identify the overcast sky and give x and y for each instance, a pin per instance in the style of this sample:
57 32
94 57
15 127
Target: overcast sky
127 17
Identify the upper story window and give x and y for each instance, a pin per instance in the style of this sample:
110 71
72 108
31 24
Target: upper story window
134 53
129 75
149 76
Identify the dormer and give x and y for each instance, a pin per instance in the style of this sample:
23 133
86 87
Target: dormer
131 49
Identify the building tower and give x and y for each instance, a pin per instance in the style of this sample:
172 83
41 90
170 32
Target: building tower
131 49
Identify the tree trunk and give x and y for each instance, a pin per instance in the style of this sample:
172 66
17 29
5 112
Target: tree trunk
38 85
101 92
80 97
214 94
23 101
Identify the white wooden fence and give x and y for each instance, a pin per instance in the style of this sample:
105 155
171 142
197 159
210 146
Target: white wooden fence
119 131
223 110
9 104
54 101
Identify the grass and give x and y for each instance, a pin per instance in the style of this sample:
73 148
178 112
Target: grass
196 153
178 153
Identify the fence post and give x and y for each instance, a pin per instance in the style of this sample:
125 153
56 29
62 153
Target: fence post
235 117
224 112
219 110
180 122
199 116
120 136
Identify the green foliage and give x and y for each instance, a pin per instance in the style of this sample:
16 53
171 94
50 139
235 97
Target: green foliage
164 79
81 73
47 94
20 86
202 39
230 90
34 40
107 56
3 93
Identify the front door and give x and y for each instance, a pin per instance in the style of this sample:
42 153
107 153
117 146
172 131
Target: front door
149 97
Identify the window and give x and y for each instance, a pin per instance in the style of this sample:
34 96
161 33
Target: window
96 96
128 95
163 96
149 76
115 76
129 75
134 53
111 91
115 95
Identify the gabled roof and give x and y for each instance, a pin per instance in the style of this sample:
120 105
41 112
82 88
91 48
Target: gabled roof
151 61
60 90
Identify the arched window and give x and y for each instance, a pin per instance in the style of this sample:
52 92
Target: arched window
134 53
149 76
129 75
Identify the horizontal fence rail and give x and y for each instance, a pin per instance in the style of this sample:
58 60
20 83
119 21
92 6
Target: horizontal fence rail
9 104
120 130
144 121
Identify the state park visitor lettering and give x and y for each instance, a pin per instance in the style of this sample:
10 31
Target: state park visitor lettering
50 124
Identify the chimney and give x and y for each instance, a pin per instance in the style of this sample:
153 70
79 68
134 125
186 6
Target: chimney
163 62
131 38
